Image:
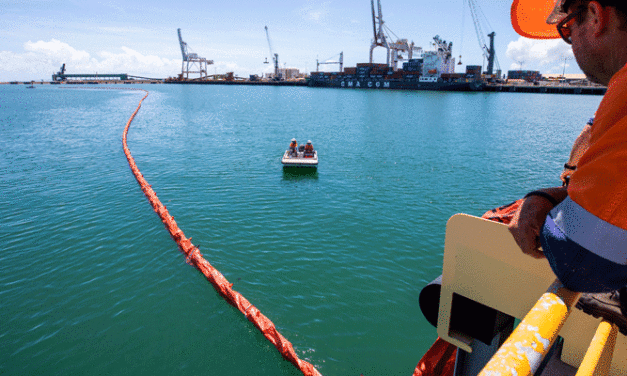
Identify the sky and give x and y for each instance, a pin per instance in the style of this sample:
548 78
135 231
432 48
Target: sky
140 37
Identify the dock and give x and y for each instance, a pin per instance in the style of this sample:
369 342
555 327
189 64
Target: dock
240 82
542 88
547 89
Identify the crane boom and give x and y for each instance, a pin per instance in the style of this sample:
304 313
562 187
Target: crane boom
383 39
269 43
374 21
183 46
488 52
380 39
275 57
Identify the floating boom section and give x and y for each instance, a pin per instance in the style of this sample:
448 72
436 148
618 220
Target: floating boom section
217 279
192 63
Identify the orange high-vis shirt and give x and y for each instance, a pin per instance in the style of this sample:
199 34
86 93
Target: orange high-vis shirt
600 183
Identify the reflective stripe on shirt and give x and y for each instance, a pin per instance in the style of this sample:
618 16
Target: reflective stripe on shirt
594 234
576 267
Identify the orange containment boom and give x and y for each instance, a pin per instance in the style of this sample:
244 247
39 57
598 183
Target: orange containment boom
438 361
195 258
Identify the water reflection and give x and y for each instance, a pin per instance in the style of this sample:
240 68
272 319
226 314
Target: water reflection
299 173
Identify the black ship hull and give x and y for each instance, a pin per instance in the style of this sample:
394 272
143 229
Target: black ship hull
398 84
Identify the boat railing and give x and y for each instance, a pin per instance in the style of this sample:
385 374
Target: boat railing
525 349
488 285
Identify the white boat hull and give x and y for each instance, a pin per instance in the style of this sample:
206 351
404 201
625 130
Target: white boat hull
299 160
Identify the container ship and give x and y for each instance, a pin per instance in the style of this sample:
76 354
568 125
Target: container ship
432 70
429 70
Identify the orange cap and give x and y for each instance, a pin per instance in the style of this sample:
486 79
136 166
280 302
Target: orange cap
530 18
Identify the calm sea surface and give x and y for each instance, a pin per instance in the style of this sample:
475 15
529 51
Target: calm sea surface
91 282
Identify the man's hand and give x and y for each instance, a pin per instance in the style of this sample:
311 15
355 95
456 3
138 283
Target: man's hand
529 219
565 175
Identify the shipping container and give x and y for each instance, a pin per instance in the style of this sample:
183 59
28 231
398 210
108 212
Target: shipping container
473 69
452 75
523 75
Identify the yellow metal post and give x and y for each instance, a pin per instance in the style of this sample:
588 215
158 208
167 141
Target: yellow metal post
599 355
523 351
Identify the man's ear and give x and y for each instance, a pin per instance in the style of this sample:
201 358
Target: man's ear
599 17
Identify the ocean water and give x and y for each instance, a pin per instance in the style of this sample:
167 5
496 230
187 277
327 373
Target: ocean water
91 282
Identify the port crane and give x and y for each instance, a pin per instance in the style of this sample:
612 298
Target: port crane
192 63
60 75
340 62
382 39
275 58
489 52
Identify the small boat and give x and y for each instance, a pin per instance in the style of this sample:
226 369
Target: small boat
298 159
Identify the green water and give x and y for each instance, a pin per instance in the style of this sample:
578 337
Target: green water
91 282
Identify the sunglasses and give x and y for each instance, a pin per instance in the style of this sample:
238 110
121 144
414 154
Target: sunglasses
563 27
566 5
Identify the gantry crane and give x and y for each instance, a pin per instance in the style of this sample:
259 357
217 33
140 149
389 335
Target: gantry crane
382 39
192 61
341 62
275 58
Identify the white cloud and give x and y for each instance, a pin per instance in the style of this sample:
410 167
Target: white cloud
41 59
315 12
538 54
56 48
122 30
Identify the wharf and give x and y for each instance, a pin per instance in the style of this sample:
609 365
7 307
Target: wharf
547 89
514 88
239 82
511 88
135 81
83 82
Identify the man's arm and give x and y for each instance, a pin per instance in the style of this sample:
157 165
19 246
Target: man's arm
529 219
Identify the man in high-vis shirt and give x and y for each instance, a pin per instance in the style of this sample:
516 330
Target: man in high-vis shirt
582 228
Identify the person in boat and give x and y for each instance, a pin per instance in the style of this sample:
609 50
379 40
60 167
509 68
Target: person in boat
294 147
309 150
582 226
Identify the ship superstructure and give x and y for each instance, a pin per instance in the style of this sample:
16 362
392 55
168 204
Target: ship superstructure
439 61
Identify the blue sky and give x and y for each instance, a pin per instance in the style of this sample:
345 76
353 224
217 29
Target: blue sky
139 37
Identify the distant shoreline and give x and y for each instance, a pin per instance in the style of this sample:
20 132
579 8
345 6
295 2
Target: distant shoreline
508 88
